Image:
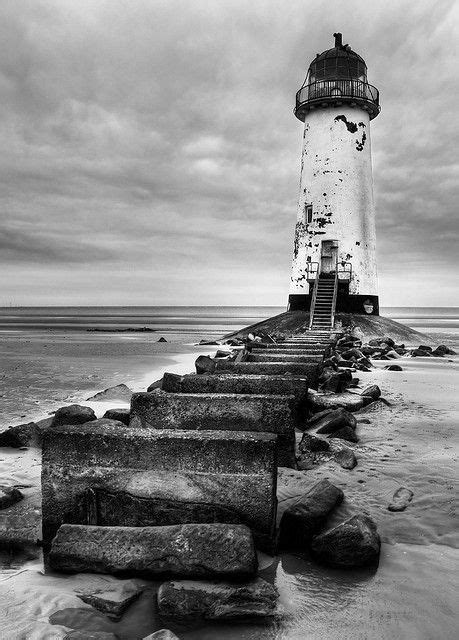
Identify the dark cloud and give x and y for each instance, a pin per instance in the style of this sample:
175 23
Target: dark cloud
150 154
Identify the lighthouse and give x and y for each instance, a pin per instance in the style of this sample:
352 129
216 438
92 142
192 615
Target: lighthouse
334 255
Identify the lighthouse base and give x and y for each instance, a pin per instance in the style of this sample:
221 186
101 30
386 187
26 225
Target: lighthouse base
345 303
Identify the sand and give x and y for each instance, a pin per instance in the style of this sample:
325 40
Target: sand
412 595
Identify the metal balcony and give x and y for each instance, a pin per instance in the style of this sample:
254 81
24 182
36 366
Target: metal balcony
336 92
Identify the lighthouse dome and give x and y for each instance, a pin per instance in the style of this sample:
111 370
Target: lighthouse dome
337 76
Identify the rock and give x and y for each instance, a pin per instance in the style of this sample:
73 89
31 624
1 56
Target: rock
222 354
200 550
303 519
306 461
115 599
317 417
336 420
393 367
9 496
346 458
157 384
310 443
420 353
353 543
21 435
118 392
186 599
401 499
392 354
352 353
336 381
73 414
90 635
443 350
209 343
204 364
345 433
162 339
162 634
424 347
122 415
350 401
372 391
374 342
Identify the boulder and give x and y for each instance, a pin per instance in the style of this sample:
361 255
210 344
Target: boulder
157 384
186 599
443 350
336 420
345 433
73 414
122 415
310 443
372 391
90 635
345 458
420 353
336 381
393 367
353 543
223 354
21 435
9 496
162 339
209 343
162 634
306 461
114 599
350 401
425 347
352 353
118 392
401 499
205 364
303 519
199 550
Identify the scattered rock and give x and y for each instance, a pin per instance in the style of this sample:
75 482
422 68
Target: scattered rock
207 550
424 347
393 367
216 600
115 599
302 520
420 353
336 420
401 499
118 392
9 496
122 415
443 350
21 435
345 433
346 458
373 391
162 339
204 364
157 384
353 543
73 414
310 443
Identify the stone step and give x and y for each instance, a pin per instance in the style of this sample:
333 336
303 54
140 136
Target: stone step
309 369
229 383
235 412
289 348
148 477
279 357
188 550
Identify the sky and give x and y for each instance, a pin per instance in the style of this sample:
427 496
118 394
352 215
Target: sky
151 155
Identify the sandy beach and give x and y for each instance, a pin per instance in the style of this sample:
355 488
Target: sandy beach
412 443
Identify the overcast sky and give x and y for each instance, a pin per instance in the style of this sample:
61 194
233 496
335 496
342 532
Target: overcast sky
151 156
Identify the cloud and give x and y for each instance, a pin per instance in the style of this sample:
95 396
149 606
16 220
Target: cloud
151 155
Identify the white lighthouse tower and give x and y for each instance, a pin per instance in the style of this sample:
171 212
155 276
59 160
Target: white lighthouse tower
334 258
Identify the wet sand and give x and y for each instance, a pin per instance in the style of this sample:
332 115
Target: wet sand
412 595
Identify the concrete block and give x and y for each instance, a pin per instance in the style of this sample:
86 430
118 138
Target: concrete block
280 357
195 550
167 476
310 370
229 383
261 413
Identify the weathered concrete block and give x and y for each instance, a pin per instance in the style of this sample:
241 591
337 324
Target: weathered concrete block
261 413
190 599
288 348
229 383
148 477
309 369
200 550
280 357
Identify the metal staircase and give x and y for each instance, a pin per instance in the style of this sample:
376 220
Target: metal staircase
323 303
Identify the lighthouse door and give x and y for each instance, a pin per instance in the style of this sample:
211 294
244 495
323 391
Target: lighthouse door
328 255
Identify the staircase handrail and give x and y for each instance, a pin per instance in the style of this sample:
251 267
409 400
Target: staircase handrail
335 294
313 301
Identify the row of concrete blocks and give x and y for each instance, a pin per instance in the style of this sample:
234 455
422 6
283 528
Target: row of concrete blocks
203 449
